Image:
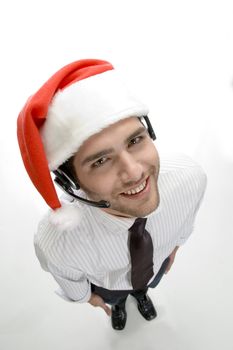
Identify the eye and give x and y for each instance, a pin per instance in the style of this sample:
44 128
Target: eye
136 140
99 162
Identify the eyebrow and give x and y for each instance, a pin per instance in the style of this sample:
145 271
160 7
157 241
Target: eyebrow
111 150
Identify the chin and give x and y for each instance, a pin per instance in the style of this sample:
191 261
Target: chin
135 212
136 209
147 211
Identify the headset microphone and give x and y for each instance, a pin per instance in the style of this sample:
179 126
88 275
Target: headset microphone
65 183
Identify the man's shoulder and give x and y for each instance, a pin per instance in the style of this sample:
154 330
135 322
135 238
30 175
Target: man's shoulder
56 225
180 171
172 161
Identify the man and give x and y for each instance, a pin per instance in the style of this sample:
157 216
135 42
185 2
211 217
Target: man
118 230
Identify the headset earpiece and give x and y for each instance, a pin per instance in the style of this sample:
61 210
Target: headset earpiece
68 185
64 180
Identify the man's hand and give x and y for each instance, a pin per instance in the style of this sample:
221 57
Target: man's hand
96 300
172 258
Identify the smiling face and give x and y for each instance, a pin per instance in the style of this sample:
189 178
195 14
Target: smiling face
120 165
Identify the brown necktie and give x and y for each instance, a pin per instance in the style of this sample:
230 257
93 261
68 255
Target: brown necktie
141 252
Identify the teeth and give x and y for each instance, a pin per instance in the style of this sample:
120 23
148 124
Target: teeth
137 189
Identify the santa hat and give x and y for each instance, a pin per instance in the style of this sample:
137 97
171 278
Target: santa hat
78 101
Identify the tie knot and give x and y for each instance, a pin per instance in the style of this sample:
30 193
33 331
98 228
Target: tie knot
138 225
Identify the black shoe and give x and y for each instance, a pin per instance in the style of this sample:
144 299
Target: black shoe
146 307
119 317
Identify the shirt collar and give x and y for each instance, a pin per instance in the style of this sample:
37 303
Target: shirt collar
117 224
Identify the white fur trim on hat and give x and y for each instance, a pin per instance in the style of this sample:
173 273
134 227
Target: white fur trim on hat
67 217
83 109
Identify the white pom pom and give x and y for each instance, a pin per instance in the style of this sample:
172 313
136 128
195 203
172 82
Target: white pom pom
67 217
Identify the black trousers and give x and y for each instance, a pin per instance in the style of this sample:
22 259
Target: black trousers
118 297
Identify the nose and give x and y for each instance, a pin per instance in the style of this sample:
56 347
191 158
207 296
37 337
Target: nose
130 169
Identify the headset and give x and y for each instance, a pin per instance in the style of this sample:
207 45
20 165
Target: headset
66 181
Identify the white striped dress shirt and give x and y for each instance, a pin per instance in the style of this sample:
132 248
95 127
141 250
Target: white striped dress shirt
96 251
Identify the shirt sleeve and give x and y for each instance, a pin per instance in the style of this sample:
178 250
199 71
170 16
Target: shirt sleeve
73 283
188 226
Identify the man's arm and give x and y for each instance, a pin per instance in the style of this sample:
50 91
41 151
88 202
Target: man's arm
171 259
96 300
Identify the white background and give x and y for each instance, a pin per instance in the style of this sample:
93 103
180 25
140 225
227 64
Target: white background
178 55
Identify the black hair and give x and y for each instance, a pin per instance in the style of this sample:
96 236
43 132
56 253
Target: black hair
68 168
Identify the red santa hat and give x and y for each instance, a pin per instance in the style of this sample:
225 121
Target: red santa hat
78 101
